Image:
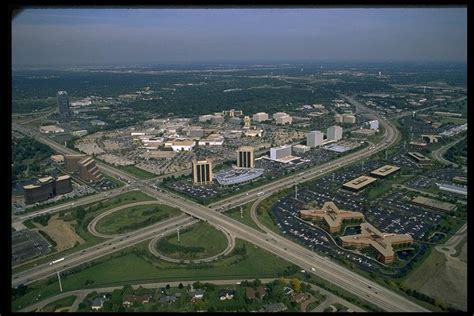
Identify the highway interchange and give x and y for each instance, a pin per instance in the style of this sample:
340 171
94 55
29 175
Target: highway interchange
290 251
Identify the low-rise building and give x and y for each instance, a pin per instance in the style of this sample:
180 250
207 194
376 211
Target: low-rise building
275 308
182 145
433 204
51 129
419 158
282 118
359 183
301 149
212 140
384 171
382 243
57 158
331 216
98 303
260 117
129 299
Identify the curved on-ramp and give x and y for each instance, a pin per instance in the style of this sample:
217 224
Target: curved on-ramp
92 225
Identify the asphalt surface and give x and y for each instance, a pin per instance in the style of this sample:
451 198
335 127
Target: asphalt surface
279 246
439 153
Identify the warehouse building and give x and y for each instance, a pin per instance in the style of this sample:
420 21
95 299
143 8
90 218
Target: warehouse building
434 205
419 158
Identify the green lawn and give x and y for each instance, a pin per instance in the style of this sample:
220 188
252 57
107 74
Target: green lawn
137 265
62 302
133 218
90 240
137 172
247 220
199 241
382 186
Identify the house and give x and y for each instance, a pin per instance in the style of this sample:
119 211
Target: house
168 299
129 299
287 290
253 293
226 294
198 294
299 298
98 303
275 308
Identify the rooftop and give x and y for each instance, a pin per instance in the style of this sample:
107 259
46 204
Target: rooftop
359 183
385 170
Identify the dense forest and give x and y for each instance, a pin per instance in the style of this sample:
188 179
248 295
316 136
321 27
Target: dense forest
26 155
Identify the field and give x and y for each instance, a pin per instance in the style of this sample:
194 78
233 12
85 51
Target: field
136 265
135 217
140 173
382 186
199 241
83 215
247 220
61 232
443 278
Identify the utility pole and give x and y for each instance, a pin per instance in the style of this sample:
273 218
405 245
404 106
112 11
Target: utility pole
177 231
385 154
241 212
296 192
404 144
59 279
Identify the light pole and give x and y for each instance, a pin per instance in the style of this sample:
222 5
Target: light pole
59 280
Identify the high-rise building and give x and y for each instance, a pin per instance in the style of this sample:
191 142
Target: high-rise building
63 106
334 133
280 152
46 188
245 158
314 139
202 172
83 166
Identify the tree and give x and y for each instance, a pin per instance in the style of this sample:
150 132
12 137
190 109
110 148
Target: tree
296 284
180 286
168 286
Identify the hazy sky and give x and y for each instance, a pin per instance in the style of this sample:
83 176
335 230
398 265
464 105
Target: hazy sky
94 36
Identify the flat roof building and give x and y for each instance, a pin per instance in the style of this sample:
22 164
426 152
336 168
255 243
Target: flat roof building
245 157
46 129
83 166
382 243
332 216
281 152
334 133
359 183
63 106
433 204
314 139
282 118
46 188
300 149
419 158
384 171
202 172
260 117
452 188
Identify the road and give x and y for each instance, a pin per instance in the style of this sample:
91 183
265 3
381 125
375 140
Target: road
449 247
439 153
81 294
290 251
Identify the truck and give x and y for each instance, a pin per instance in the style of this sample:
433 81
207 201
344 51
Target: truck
56 261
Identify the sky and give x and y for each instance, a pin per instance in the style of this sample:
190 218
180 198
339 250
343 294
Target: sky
112 35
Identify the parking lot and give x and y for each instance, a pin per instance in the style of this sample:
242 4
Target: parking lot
28 244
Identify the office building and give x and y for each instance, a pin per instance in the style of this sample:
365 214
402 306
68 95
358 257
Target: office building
334 133
345 118
282 118
432 204
205 118
46 188
84 166
280 152
359 183
382 243
373 124
314 139
260 117
247 122
63 106
419 158
331 216
300 149
245 157
384 171
217 119
202 172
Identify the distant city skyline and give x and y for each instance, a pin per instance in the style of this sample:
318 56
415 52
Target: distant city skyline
173 36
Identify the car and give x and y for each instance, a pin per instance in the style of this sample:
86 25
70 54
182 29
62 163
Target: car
313 269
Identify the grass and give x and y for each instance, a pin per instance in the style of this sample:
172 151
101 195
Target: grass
385 185
63 302
200 241
135 217
136 265
114 180
81 230
247 220
137 172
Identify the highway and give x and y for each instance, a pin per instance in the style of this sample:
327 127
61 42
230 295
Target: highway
290 251
439 153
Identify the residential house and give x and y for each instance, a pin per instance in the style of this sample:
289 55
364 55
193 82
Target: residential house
98 303
226 294
129 299
299 298
253 293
